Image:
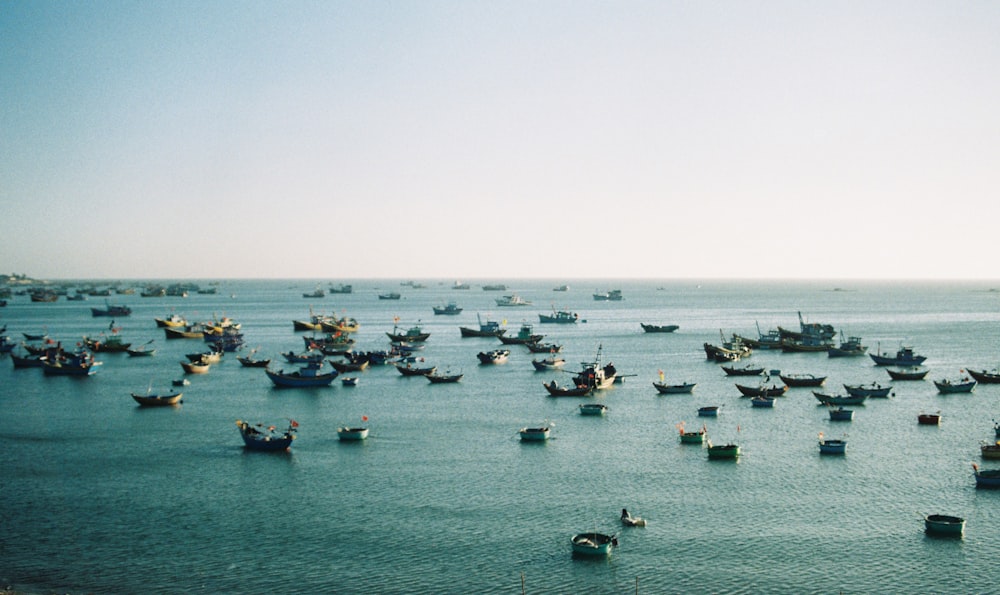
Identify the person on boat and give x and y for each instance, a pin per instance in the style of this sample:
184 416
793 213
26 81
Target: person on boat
625 514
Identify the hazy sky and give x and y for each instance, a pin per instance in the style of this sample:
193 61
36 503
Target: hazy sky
466 139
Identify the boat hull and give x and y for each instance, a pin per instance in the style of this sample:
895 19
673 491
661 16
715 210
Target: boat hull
592 544
940 524
158 400
350 434
673 389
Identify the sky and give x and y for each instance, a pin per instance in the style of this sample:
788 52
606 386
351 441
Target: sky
468 139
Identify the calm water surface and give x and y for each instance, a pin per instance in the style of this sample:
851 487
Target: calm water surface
102 496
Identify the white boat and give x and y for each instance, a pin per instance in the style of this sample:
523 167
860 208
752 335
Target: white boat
346 433
512 300
534 434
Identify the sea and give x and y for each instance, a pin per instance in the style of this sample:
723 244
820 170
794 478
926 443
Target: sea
100 495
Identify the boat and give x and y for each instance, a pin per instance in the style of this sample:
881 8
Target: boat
309 355
794 380
250 361
78 363
561 288
408 370
567 391
805 345
961 385
908 373
511 300
723 451
762 390
989 478
632 521
461 285
267 438
494 287
449 309
903 357
769 340
446 378
596 375
342 289
172 321
347 434
349 381
831 446
107 343
524 336
27 361
868 390
309 375
929 419
196 367
656 328
593 544
316 293
534 434
826 399
709 411
496 356
153 400
413 335
559 317
729 351
990 450
815 330
593 409
985 376
674 389
849 347
486 329
110 310
548 363
614 295
181 382
696 437
841 414
206 357
351 365
540 347
942 524
762 402
191 331
747 370
141 351
392 295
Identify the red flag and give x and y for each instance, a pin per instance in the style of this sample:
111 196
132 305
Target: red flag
293 423
364 418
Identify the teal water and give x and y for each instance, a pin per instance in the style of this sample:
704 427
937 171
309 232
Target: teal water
102 496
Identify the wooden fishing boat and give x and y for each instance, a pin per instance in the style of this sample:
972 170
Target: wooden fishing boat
763 390
695 437
809 329
832 446
658 328
307 376
540 347
826 399
196 367
593 409
709 411
534 434
942 524
524 336
908 373
868 390
747 370
723 451
408 370
674 389
307 356
267 438
511 300
446 378
413 335
795 380
596 375
989 478
593 544
348 434
191 331
349 381
903 357
549 363
79 363
849 347
110 310
805 345
567 391
559 317
358 365
929 419
486 329
449 309
251 361
990 450
985 376
141 351
762 402
962 385
107 343
495 356
27 361
841 414
612 295
155 400
172 321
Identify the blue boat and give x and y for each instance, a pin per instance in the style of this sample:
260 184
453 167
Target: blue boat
79 363
903 357
308 375
841 414
710 411
269 438
831 446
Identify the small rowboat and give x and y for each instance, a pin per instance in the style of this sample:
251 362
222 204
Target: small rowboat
943 524
989 478
929 419
802 379
868 390
990 451
723 451
195 368
534 434
593 544
348 434
841 414
832 446
593 409
158 400
674 389
909 373
964 385
762 401
709 411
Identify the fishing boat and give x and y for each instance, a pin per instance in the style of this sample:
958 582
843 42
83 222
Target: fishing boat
674 389
849 347
489 328
868 390
153 400
196 367
989 478
407 369
762 390
695 437
391 295
446 378
112 343
336 326
805 345
962 385
342 288
309 375
348 434
353 364
723 451
709 411
613 295
309 355
559 317
795 380
110 310
524 336
267 438
349 381
251 361
449 309
929 419
593 409
556 390
27 361
762 402
769 340
832 446
561 288
841 414
747 370
985 376
79 363
903 357
316 293
990 450
632 521
942 524
826 399
810 330
729 351
540 347
908 373
511 300
172 321
549 363
657 328
534 434
141 351
593 544
596 375
191 331
205 357
412 335
495 356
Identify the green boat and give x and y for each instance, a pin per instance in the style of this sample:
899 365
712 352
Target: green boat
723 451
